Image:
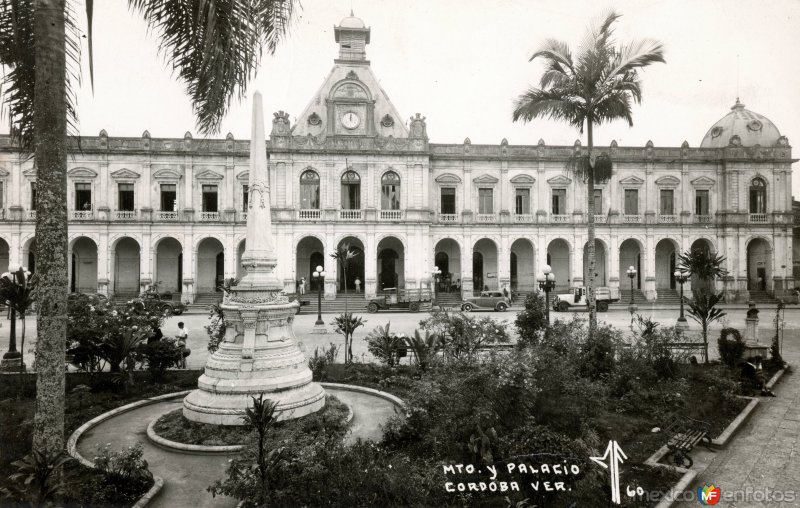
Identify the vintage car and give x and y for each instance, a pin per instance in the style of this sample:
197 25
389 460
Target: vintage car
488 300
167 305
577 299
413 300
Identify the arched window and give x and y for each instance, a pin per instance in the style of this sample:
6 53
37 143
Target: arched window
758 196
390 191
351 191
309 190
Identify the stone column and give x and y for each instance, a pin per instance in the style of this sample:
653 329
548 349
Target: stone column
370 266
103 255
650 268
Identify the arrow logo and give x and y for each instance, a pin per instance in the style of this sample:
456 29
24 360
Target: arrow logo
611 460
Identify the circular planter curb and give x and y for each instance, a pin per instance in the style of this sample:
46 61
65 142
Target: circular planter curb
397 401
208 449
72 443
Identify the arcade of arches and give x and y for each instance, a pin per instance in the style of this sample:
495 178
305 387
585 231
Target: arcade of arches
465 264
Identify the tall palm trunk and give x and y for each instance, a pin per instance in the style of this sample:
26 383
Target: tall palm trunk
590 216
50 132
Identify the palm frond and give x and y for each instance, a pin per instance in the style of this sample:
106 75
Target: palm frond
638 54
553 104
215 47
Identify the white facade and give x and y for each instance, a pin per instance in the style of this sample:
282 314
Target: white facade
351 171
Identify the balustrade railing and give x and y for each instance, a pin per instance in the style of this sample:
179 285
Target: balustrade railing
167 216
309 214
30 215
758 217
448 218
702 219
391 215
485 218
559 219
523 218
631 219
349 214
124 215
209 216
667 219
600 219
81 214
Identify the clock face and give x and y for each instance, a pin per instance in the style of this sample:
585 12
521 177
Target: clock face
350 120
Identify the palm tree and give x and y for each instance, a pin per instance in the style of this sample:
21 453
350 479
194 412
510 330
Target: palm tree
214 47
704 310
704 265
597 86
343 255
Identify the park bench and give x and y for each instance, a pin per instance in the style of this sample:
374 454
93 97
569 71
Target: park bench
683 433
689 347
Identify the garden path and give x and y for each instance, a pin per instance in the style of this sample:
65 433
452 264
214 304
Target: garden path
765 453
186 476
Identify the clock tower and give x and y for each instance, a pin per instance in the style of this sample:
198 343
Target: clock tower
353 37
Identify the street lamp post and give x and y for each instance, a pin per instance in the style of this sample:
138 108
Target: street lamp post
547 282
681 277
632 275
435 274
319 276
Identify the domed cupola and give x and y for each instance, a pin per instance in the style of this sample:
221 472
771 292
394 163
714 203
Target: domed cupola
353 36
749 127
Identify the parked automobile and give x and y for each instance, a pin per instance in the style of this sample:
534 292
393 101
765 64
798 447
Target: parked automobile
167 305
412 299
577 299
488 300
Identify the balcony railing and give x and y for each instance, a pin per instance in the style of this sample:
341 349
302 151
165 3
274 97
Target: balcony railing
310 214
485 218
124 215
2 213
631 219
81 215
349 214
448 218
702 219
600 219
167 216
523 218
243 216
209 216
758 217
667 219
559 219
391 215
30 214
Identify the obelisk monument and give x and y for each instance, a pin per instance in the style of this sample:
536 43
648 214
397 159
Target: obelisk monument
259 354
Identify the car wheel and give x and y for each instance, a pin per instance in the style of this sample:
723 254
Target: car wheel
372 308
602 306
501 307
467 307
563 306
413 307
166 310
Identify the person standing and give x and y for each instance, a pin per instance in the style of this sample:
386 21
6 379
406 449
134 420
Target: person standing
302 285
183 338
358 285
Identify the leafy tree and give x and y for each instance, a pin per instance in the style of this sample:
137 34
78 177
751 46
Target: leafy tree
705 266
704 310
424 348
343 255
532 321
461 335
597 86
384 345
214 47
17 291
262 418
346 325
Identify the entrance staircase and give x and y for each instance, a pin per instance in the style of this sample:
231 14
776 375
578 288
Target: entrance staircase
669 297
203 301
625 297
355 303
449 300
762 297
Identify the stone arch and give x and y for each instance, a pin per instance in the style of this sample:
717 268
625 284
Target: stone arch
356 264
601 260
210 260
631 253
83 264
126 261
522 267
447 256
5 254
485 264
347 82
559 257
168 264
390 268
310 253
28 259
759 263
667 252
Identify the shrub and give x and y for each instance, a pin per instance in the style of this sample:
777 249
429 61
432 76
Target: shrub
731 346
532 322
160 355
320 362
346 325
424 348
384 345
460 335
40 477
597 353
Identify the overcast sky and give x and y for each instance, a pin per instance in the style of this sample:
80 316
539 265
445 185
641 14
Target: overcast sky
460 63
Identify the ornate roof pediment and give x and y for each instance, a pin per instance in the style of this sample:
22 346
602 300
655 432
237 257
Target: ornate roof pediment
631 180
523 179
448 178
703 181
485 179
668 180
559 180
82 173
243 176
124 174
207 174
167 174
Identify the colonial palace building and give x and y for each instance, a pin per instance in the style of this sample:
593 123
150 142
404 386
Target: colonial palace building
352 170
